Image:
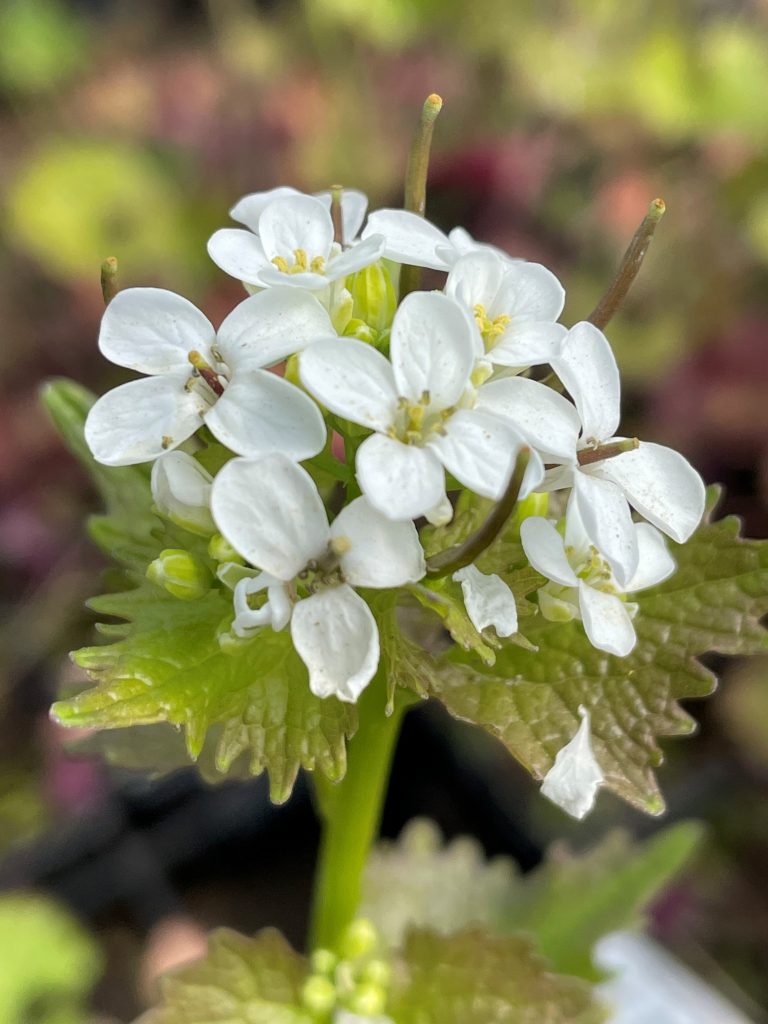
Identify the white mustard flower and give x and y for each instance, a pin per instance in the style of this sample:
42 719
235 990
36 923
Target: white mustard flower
515 306
412 239
419 405
291 242
181 490
574 779
354 205
582 583
196 375
270 511
488 600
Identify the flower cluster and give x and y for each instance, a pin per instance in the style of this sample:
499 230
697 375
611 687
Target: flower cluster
340 421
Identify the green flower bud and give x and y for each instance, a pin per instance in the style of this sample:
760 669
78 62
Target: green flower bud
323 961
359 939
318 994
221 550
181 574
374 299
362 331
341 309
378 972
368 1000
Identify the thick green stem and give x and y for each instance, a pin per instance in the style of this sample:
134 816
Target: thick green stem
352 813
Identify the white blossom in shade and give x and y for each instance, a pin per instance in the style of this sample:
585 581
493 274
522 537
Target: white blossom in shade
488 600
419 403
248 409
574 779
290 242
181 490
515 306
270 511
582 584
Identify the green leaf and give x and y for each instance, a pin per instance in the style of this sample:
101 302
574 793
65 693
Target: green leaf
473 977
449 607
167 666
714 602
49 962
572 900
241 980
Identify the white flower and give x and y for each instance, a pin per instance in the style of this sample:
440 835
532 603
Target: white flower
412 239
583 585
247 408
291 241
488 600
270 511
574 779
515 305
354 205
181 490
417 406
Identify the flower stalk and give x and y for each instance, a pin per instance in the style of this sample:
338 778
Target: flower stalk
416 179
109 285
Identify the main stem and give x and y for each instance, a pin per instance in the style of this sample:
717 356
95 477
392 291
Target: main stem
352 812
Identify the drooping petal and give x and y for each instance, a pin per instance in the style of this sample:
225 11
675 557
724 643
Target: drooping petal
488 600
275 612
655 563
661 484
545 550
296 222
529 343
138 421
587 367
574 779
354 205
336 637
545 419
261 413
181 490
410 238
475 279
480 450
608 522
238 252
271 325
351 379
270 512
528 292
606 621
432 349
152 330
400 480
382 552
248 209
359 255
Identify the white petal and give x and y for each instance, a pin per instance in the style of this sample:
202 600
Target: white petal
239 253
271 277
655 563
296 222
153 331
606 621
574 779
587 367
400 480
460 242
488 600
545 419
359 255
261 413
475 279
528 343
351 379
661 484
267 327
336 637
545 550
382 553
275 612
353 208
410 238
608 522
248 209
140 420
270 512
181 490
480 450
432 348
529 292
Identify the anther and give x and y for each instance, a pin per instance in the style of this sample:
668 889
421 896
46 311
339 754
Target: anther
207 372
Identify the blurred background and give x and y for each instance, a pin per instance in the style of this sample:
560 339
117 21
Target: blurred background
128 128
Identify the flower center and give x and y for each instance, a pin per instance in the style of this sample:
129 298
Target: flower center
593 569
206 381
490 329
415 423
300 263
325 571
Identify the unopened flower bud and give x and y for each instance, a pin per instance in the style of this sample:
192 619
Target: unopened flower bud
368 1000
359 329
221 550
323 961
373 296
181 489
359 939
181 574
378 972
318 994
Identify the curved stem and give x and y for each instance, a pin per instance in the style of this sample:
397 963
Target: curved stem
352 814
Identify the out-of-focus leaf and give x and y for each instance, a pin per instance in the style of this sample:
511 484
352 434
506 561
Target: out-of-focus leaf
42 42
